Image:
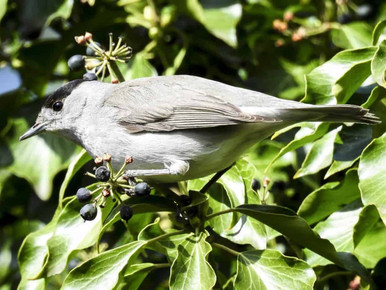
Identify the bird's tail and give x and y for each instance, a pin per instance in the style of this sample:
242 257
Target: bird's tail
332 113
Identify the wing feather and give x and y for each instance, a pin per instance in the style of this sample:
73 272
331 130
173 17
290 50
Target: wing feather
156 104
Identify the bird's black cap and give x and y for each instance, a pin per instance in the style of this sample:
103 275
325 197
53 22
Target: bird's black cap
62 92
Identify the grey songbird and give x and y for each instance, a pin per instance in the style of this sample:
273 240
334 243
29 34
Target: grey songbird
175 127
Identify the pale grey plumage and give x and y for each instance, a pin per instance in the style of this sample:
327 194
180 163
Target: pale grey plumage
182 126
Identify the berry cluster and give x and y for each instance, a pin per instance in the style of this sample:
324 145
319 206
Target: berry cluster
98 60
112 185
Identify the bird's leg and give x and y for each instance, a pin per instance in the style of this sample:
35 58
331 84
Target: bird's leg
215 178
175 167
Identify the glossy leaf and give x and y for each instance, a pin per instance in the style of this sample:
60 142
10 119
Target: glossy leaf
307 133
64 11
338 228
71 233
338 78
379 30
371 248
352 35
242 229
103 270
372 172
367 219
3 8
269 269
330 198
135 274
320 154
77 162
214 21
378 64
40 158
190 269
291 225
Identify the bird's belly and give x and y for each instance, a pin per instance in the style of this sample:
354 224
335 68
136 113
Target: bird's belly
206 150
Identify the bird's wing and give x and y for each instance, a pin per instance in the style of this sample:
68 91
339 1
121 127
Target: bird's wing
167 104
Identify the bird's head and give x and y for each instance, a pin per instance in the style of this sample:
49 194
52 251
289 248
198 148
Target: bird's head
60 110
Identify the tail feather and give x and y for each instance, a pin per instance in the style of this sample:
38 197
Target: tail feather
334 113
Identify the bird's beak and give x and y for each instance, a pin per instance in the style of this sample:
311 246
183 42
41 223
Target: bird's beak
34 130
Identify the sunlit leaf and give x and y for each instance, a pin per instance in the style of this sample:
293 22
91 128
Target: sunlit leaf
71 233
3 8
378 64
269 269
338 78
378 33
191 270
214 21
103 271
329 198
372 172
338 228
352 35
320 154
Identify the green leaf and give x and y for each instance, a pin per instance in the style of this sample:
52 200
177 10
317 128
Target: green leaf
171 244
219 201
3 8
190 269
214 21
378 64
135 274
307 133
329 198
102 271
367 219
296 229
177 62
352 35
372 172
40 158
372 248
34 250
139 67
379 32
338 78
64 11
320 154
353 139
291 225
38 284
269 269
377 92
242 230
77 162
71 233
338 228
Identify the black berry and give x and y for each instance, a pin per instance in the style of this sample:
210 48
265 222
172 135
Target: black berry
191 212
181 218
256 184
142 189
90 51
76 62
185 200
83 194
102 174
88 212
126 212
90 76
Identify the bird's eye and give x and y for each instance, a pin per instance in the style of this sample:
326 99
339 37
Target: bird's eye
57 106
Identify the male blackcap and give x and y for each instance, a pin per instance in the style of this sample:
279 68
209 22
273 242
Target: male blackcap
175 127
